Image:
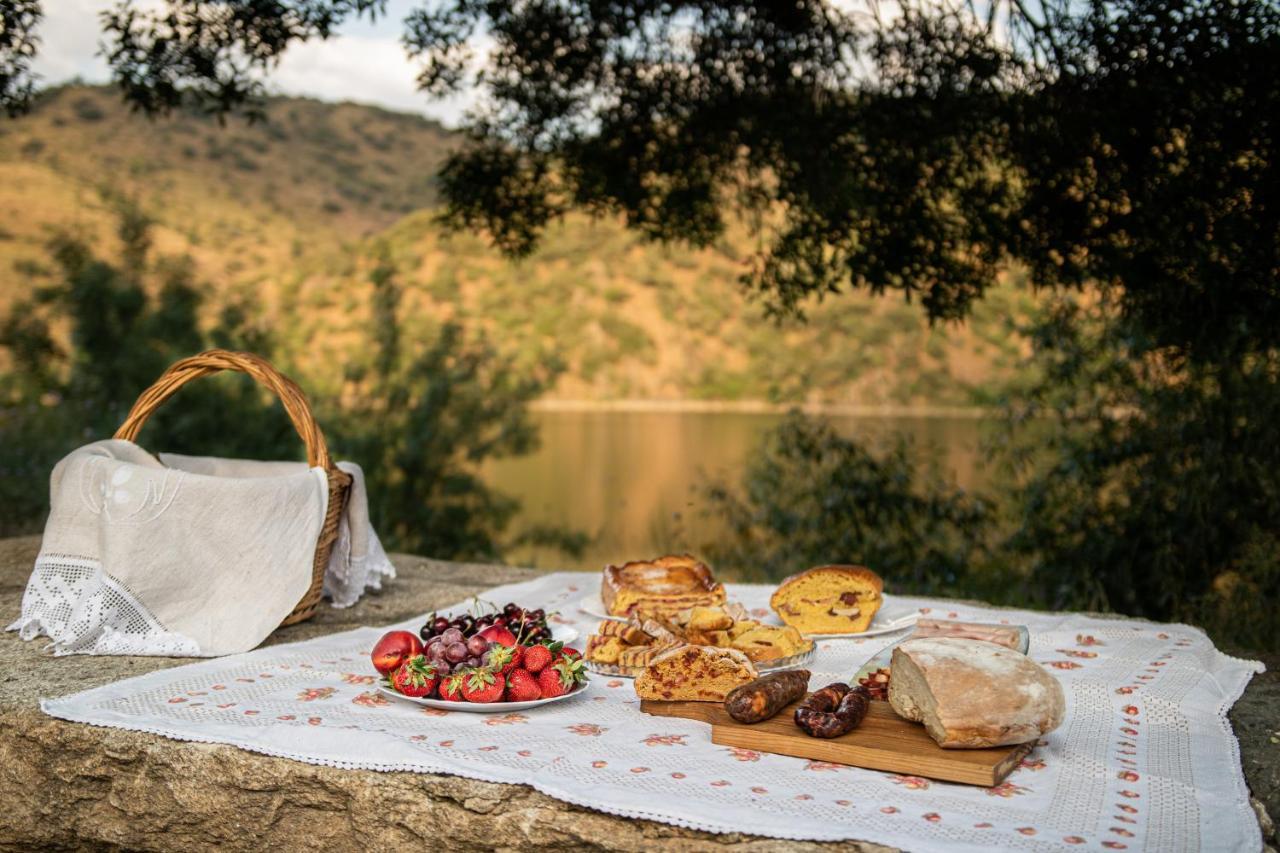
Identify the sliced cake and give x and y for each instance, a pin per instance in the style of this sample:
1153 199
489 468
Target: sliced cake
829 600
694 673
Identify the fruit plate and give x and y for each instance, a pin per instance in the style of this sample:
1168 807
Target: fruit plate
481 707
762 667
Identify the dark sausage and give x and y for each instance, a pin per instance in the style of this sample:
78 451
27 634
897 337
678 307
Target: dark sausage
761 699
832 711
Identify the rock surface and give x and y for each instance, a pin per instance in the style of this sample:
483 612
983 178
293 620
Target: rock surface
68 786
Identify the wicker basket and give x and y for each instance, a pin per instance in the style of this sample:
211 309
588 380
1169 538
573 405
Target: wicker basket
295 403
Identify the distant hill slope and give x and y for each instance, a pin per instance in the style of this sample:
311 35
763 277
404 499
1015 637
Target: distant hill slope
293 211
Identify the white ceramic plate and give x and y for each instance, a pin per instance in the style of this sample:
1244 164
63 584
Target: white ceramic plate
481 707
889 618
593 606
564 634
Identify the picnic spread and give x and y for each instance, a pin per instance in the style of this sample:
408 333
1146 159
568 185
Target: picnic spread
826 707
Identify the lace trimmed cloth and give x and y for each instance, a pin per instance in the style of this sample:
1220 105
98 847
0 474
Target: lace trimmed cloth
187 556
1145 759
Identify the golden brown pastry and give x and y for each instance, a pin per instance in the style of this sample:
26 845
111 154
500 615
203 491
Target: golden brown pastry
664 585
829 600
695 673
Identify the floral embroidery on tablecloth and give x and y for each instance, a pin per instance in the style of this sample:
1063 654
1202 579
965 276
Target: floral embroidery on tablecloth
356 678
631 753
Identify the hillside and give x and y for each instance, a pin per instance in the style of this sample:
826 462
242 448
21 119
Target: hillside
291 214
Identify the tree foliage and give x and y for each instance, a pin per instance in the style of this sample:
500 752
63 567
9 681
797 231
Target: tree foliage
18 45
811 496
419 419
1149 484
1128 143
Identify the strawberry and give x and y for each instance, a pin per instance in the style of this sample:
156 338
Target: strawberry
505 658
561 678
536 658
568 653
451 687
522 686
480 685
415 677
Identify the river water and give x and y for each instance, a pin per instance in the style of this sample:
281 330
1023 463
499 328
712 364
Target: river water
632 481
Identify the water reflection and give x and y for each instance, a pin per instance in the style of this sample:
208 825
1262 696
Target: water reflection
632 480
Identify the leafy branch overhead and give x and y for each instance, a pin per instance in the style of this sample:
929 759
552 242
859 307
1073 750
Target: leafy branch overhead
1129 144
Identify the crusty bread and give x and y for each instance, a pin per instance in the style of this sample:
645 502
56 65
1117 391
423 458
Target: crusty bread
654 587
973 694
694 673
829 600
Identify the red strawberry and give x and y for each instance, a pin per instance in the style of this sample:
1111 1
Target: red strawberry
415 677
536 658
505 658
522 686
481 685
451 687
568 653
561 678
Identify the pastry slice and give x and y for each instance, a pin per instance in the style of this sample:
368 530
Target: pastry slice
694 673
601 649
829 600
707 619
770 642
629 634
664 585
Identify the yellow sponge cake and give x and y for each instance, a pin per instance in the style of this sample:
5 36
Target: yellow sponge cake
829 600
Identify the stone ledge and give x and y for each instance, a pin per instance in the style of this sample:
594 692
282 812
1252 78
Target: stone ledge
69 786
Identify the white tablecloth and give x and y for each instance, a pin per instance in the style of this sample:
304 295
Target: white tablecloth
1144 761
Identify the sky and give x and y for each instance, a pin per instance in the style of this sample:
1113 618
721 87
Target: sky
365 62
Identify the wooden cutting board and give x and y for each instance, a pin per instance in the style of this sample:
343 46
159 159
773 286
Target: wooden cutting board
884 741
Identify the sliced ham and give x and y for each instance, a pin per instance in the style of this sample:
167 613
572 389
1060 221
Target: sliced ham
1001 635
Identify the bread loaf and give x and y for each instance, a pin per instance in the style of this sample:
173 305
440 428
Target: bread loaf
973 694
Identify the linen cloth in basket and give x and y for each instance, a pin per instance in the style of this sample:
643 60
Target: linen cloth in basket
184 555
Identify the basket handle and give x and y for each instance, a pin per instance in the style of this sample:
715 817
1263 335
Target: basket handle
214 361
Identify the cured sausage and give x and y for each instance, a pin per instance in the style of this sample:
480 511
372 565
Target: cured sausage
834 710
761 699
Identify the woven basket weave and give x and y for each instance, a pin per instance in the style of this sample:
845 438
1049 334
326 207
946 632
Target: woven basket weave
295 404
